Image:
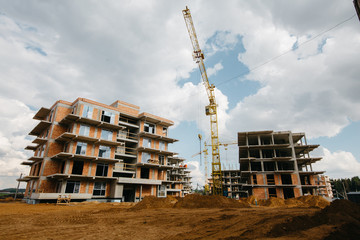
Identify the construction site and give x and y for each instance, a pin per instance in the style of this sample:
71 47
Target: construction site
102 170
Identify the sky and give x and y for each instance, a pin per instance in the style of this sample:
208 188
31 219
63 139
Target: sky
276 64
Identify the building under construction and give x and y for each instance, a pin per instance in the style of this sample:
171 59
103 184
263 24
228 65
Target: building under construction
276 164
89 150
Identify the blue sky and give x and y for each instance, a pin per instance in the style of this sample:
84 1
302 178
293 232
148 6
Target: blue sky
140 52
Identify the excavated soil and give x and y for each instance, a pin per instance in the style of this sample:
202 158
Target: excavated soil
342 215
304 201
193 217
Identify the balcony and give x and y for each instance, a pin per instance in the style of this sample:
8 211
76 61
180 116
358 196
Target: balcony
42 113
126 152
153 163
76 118
157 137
67 137
128 123
124 168
78 177
127 137
36 159
31 147
137 181
153 150
40 127
39 140
27 178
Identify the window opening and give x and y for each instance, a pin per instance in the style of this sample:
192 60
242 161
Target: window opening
78 167
104 151
270 179
145 157
87 112
272 192
147 142
72 187
161 159
144 173
81 148
256 166
106 134
269 166
162 145
107 117
84 130
99 189
254 179
102 169
148 127
286 179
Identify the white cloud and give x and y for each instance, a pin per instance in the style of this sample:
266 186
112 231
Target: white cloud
339 164
139 51
212 71
16 121
196 174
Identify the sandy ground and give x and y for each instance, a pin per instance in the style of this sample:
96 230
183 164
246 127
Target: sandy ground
119 221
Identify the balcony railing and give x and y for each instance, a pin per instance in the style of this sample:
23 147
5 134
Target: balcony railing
125 150
127 135
120 167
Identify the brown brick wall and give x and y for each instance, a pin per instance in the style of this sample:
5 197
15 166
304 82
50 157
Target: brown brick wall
47 186
93 169
55 148
146 190
91 188
297 192
51 167
107 192
294 179
57 130
86 167
83 187
259 193
62 112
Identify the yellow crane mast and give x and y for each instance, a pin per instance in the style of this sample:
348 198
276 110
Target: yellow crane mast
211 109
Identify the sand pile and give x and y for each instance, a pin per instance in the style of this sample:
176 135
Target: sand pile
272 202
200 201
155 202
342 214
314 201
304 201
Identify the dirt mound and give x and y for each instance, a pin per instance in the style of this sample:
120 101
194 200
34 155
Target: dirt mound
200 201
155 202
294 202
8 199
314 201
342 214
272 202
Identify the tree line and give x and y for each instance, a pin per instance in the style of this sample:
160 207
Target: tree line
347 184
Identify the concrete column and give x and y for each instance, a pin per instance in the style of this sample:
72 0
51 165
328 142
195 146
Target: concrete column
295 163
140 192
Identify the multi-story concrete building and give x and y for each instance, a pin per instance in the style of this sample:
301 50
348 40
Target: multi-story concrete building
178 177
92 150
232 184
277 164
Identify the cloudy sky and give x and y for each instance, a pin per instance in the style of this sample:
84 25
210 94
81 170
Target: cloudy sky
277 65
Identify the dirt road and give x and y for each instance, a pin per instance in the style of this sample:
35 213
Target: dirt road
120 221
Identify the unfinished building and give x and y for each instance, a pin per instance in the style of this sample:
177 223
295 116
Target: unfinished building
277 164
91 150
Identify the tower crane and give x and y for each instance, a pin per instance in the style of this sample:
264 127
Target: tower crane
211 109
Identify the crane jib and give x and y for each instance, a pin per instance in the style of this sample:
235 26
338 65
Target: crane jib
211 109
